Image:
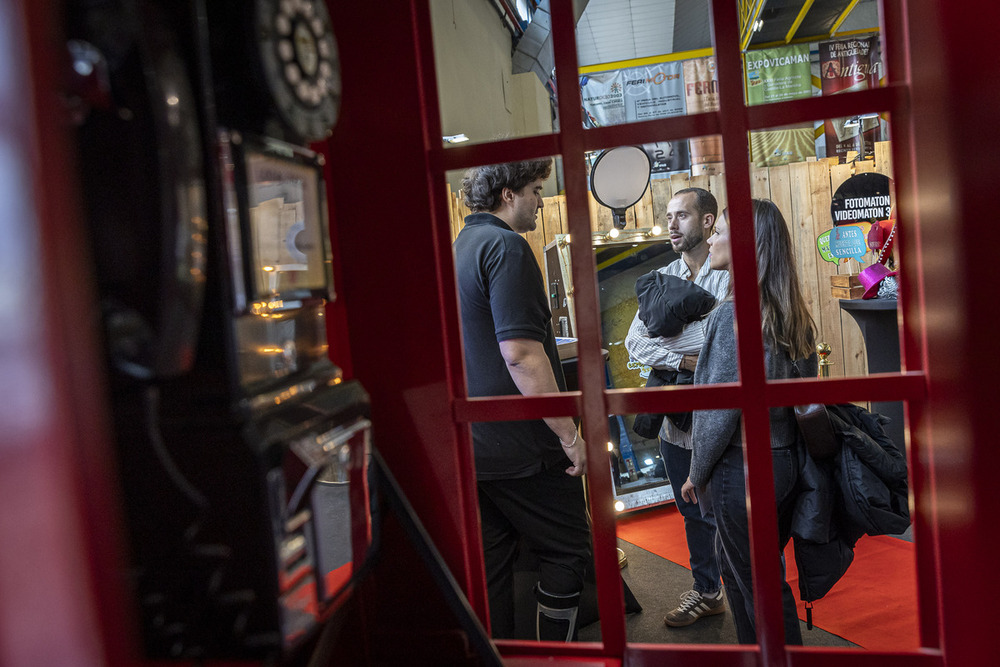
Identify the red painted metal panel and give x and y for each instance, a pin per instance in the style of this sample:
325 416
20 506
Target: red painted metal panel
756 423
588 313
60 599
391 283
952 207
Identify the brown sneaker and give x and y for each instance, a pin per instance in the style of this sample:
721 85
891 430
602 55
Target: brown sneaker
693 606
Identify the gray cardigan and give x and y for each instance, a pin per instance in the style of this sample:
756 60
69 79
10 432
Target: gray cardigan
715 430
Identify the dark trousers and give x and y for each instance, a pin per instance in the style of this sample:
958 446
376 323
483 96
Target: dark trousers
727 487
699 529
549 513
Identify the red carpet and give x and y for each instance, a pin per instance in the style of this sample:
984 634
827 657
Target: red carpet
874 605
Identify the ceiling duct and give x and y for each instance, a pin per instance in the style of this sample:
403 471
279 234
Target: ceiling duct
533 52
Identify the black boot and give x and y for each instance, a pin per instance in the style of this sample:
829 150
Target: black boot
555 619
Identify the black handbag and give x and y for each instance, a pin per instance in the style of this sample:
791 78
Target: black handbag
648 425
817 431
814 424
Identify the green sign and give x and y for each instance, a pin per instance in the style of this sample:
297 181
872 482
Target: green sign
823 245
775 75
843 242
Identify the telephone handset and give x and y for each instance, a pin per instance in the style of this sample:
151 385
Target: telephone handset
143 181
881 237
879 233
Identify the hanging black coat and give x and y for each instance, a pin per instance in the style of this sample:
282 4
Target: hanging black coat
666 304
862 490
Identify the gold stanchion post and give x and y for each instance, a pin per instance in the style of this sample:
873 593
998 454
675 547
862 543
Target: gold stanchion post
824 350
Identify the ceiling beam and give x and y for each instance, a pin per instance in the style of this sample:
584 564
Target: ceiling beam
651 60
843 15
747 28
815 38
798 20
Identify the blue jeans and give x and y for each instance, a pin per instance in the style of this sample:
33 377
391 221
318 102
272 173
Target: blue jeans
727 487
700 530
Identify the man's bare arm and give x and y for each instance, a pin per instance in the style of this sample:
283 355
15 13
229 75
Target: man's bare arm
531 371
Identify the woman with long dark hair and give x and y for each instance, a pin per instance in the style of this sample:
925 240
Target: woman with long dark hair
717 459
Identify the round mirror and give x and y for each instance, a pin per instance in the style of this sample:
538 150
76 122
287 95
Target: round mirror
619 178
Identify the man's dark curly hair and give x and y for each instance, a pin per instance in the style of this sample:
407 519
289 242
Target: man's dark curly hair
482 185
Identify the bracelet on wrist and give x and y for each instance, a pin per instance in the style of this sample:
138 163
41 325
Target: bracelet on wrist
576 436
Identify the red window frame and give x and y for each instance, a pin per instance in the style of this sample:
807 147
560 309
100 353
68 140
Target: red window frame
754 394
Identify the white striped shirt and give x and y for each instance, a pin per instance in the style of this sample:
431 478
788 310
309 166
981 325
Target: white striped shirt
667 352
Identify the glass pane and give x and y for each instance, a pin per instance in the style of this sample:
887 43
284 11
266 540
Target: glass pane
823 48
670 549
536 528
630 239
536 307
642 61
642 247
840 224
871 539
833 222
538 551
495 75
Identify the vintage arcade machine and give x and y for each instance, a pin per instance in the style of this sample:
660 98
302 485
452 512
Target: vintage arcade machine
243 453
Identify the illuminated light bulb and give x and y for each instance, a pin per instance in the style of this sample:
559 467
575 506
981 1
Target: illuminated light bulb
656 230
613 234
619 506
611 446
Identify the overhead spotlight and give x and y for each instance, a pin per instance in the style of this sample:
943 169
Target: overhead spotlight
611 446
619 506
655 231
613 234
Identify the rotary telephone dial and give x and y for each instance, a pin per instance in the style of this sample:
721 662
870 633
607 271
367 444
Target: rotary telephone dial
288 49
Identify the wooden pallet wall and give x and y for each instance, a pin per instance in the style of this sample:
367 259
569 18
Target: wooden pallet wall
802 191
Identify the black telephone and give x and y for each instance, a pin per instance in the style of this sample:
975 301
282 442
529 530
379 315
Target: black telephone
143 182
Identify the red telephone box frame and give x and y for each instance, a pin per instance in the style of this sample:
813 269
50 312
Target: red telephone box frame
754 394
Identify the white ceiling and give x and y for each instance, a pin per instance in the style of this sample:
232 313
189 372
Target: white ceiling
613 30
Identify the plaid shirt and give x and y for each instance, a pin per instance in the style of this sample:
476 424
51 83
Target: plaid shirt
666 353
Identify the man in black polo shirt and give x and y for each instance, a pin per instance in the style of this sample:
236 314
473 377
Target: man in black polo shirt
528 472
